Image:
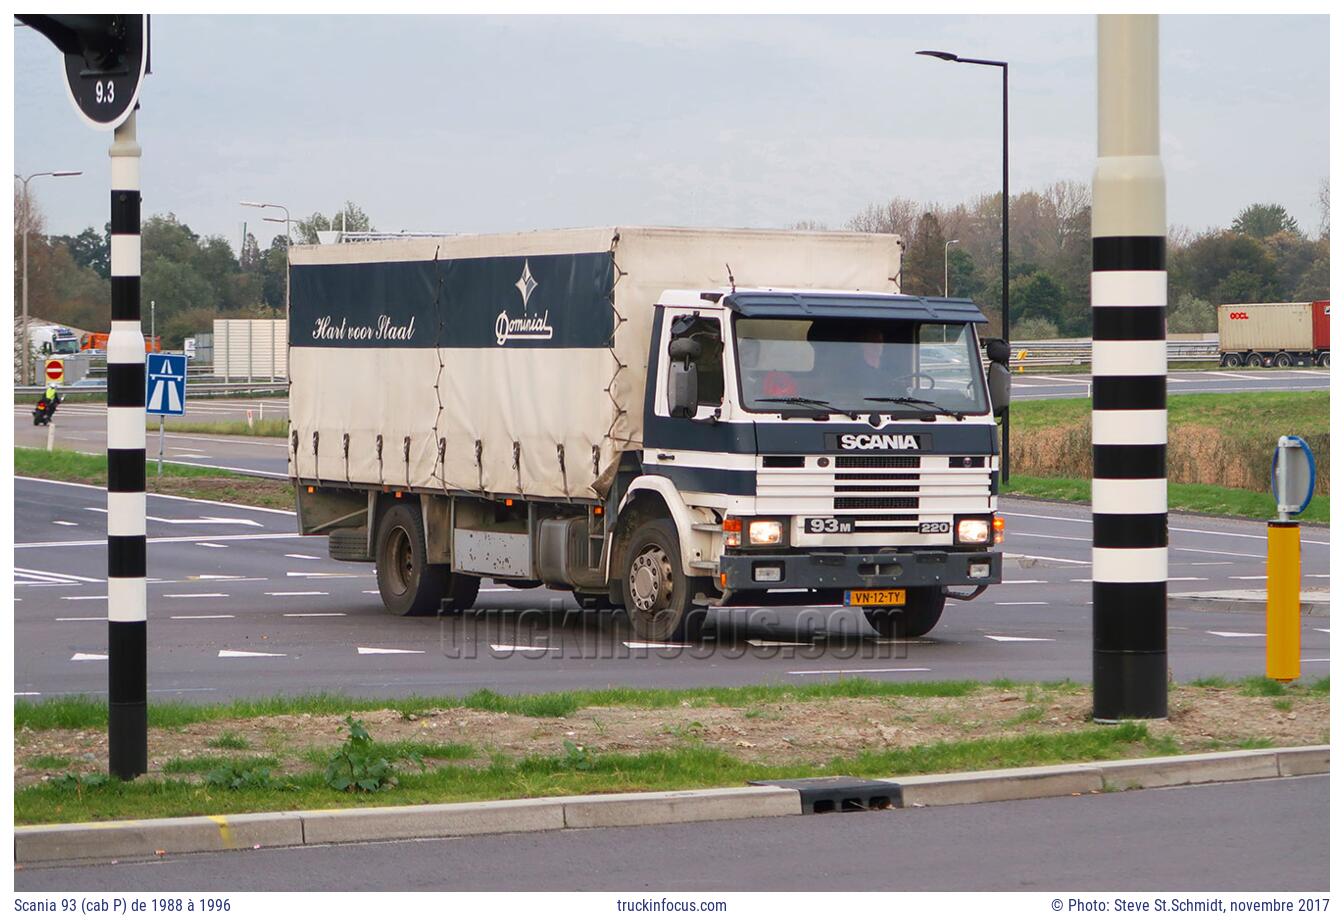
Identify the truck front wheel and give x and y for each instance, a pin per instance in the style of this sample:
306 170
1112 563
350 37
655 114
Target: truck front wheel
409 585
657 592
922 610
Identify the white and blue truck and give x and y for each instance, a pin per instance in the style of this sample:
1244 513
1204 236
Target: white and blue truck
659 420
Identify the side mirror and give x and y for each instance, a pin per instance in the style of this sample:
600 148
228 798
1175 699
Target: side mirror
1000 386
682 388
684 349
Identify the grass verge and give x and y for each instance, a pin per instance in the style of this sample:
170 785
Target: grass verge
188 481
1192 497
260 428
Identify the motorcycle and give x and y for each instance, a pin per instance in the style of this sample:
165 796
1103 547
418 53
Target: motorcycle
45 409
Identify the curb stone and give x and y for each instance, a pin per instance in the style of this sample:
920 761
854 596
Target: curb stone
149 838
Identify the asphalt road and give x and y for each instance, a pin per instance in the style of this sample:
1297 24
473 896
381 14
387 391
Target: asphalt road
1269 836
1060 386
240 606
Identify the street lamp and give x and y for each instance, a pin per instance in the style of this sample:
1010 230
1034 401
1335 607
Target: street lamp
1003 65
946 291
27 358
289 237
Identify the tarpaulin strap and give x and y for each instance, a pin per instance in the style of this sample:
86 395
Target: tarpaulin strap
517 464
438 378
443 446
317 473
480 468
378 446
293 446
345 451
617 322
597 461
560 455
406 457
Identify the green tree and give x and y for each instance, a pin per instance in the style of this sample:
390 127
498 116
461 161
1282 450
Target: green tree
274 266
1264 220
1034 329
1036 296
355 220
922 266
962 278
1203 268
1190 314
89 249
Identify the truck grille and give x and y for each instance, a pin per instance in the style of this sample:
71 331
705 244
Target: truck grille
879 494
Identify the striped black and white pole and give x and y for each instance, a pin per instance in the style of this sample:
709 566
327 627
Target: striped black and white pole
127 738
1129 379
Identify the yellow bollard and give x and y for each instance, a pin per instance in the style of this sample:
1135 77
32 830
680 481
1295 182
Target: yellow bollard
1283 602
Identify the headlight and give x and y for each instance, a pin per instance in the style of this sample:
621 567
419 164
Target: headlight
765 533
973 530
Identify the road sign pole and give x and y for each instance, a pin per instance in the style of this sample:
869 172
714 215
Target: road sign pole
127 733
1283 602
159 474
1129 386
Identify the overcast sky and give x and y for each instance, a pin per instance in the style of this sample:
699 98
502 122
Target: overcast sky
468 124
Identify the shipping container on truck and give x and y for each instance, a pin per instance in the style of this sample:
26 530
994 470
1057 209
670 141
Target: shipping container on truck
658 420
97 341
1274 334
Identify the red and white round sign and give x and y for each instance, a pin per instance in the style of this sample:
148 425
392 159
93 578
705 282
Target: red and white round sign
55 370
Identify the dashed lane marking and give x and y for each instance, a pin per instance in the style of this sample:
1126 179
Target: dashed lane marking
65 523
301 556
312 614
38 576
1018 639
388 651
1234 635
1185 578
80 619
772 643
26 693
1020 604
325 575
232 653
523 648
202 616
85 597
194 595
1025 581
637 645
298 593
84 656
214 545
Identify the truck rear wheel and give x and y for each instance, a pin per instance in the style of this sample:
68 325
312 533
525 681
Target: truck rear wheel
1283 359
409 585
1324 359
657 592
923 608
1255 359
1231 360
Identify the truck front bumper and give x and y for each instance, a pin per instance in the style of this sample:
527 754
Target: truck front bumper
831 570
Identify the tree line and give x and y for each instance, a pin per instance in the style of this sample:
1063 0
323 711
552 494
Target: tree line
1264 256
191 279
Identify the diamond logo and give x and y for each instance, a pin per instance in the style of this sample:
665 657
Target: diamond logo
526 284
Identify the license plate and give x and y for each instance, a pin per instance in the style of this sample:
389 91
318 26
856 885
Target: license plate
886 597
828 525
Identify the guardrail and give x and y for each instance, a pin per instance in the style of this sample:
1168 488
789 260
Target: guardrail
1050 354
193 389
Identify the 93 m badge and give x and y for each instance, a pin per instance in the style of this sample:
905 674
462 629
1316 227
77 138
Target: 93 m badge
828 525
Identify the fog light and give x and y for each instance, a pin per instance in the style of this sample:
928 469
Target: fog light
998 528
973 530
765 533
978 570
732 531
767 572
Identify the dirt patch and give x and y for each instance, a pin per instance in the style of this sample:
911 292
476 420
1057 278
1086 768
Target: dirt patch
814 732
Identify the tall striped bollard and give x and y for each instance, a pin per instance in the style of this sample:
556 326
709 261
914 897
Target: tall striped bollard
1129 383
127 733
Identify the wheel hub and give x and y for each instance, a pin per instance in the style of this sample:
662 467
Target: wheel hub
651 579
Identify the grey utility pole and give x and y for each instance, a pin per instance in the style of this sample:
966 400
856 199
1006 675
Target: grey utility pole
27 363
1129 382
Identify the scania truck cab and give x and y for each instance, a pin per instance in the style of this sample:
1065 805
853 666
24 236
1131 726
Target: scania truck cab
846 443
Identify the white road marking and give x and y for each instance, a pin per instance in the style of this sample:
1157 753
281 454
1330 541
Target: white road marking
298 593
861 671
202 616
231 537
1204 563
1210 533
379 592
1324 629
1185 578
26 693
1026 581
1019 603
195 595
81 656
214 545
301 556
80 619
324 575
1248 577
1233 635
85 597
1045 558
523 648
65 523
38 573
230 653
200 520
1309 660
1081 581
1017 639
771 643
483 590
655 645
389 651
312 614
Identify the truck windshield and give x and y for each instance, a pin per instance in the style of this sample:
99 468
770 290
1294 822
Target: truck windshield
902 368
65 346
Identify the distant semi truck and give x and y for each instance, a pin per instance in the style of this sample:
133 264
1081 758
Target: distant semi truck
97 341
1274 334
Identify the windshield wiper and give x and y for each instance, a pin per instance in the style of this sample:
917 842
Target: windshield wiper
809 401
914 401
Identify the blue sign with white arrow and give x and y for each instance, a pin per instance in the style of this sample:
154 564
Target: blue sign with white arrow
165 384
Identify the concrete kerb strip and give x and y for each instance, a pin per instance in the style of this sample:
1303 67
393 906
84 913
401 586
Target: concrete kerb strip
1312 603
155 837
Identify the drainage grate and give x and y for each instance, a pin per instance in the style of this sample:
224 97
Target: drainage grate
826 794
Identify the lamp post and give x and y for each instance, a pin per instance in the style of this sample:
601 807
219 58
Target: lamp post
290 242
947 292
1002 65
27 358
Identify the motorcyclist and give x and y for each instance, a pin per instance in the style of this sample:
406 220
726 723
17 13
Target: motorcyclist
51 398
